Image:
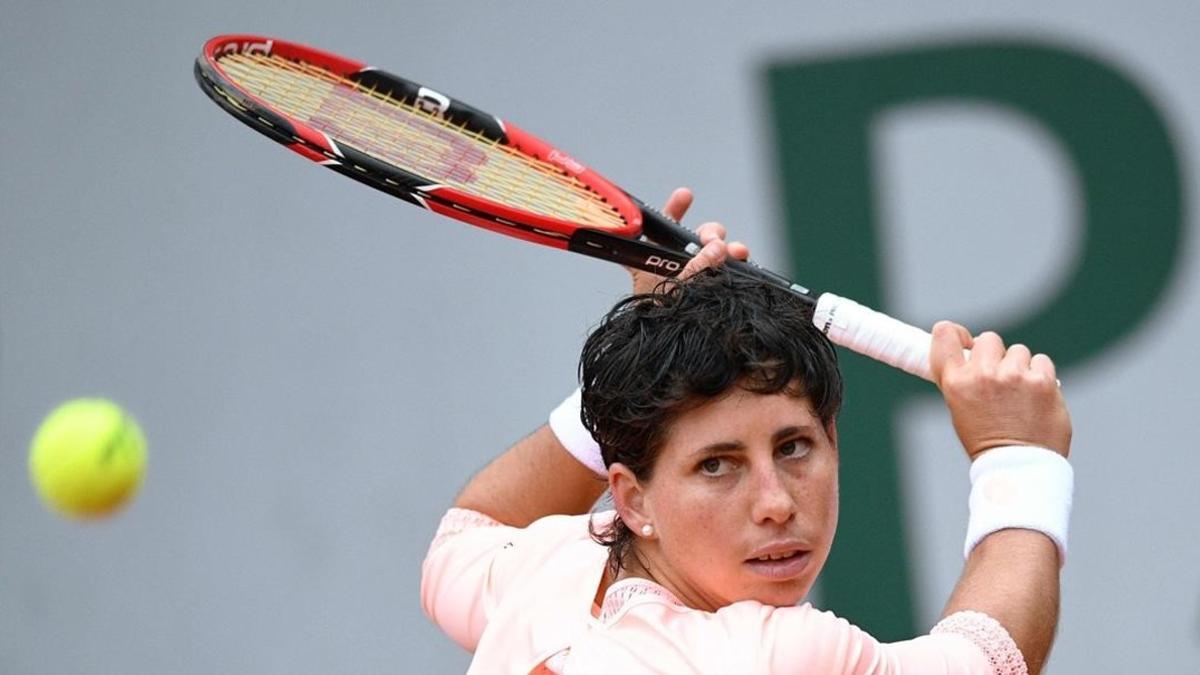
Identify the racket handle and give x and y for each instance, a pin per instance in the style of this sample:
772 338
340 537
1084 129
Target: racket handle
874 334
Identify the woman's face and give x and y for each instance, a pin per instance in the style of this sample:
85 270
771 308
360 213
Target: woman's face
743 500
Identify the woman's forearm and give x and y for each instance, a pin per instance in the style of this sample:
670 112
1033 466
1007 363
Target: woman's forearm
1013 577
536 477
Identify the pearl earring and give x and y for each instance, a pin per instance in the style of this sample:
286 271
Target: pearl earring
647 530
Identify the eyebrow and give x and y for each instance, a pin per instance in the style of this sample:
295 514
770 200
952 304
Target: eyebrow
738 446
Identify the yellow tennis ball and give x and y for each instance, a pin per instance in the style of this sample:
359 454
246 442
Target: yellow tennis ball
87 458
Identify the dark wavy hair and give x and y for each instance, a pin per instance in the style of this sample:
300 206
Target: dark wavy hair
657 355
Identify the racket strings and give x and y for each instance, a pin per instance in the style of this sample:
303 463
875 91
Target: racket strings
436 156
401 134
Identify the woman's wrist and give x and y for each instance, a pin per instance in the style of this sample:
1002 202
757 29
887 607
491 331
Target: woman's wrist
568 428
1021 487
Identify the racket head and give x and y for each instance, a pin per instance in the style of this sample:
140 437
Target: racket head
411 141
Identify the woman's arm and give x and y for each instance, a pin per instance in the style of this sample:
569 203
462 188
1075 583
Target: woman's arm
1007 397
1012 576
536 477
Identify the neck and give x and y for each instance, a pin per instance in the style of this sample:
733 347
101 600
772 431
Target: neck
643 565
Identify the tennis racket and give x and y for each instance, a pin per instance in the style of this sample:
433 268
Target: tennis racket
418 144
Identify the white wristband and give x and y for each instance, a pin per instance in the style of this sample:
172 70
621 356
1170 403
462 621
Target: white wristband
1020 487
568 427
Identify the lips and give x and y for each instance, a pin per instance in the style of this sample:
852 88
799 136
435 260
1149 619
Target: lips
779 562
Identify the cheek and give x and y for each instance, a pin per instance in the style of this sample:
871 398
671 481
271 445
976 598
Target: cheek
821 503
693 520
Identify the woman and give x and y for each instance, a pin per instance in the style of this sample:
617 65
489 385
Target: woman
714 403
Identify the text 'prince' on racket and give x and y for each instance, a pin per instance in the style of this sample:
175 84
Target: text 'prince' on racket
418 144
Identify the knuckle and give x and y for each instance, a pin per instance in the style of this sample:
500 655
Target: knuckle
988 372
1045 384
711 229
1008 376
958 382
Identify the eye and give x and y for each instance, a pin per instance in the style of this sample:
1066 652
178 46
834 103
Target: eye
714 466
797 447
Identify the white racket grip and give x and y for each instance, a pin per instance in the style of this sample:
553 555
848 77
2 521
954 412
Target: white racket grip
874 334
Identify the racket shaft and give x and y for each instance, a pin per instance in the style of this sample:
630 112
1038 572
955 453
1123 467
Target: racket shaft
663 230
844 321
637 254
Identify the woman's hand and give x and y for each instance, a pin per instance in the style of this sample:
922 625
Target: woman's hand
712 236
998 396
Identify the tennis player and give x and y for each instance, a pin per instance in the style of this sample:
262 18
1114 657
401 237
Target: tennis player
708 408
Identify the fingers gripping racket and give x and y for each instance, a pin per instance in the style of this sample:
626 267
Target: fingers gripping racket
439 153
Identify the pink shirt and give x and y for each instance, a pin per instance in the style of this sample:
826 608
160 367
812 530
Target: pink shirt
522 599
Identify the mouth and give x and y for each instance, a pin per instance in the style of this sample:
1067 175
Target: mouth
780 565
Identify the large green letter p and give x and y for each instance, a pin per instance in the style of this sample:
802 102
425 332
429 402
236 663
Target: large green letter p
1131 199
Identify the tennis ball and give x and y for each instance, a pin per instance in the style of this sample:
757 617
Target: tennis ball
87 458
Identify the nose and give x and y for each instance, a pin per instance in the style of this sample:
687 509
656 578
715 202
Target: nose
772 500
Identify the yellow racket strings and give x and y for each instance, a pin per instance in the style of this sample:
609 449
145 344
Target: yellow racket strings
424 143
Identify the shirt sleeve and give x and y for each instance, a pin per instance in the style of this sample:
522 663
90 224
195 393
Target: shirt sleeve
748 637
990 637
965 643
474 561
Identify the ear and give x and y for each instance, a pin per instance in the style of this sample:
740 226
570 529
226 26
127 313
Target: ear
628 496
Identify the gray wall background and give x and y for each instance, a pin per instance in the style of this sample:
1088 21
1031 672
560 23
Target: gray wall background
320 368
